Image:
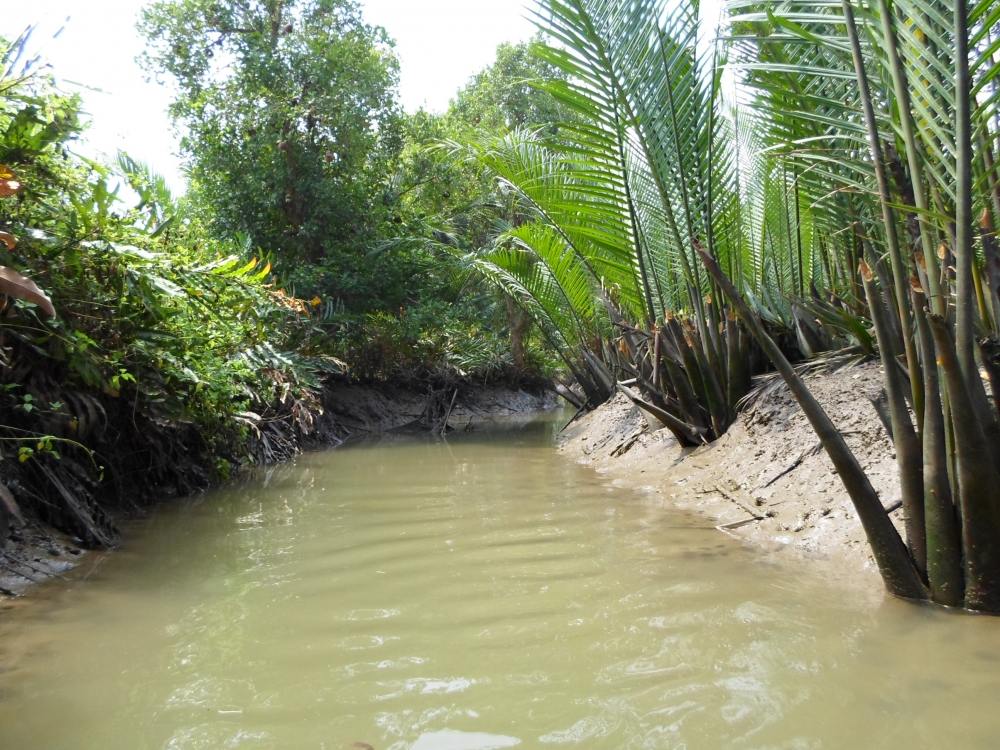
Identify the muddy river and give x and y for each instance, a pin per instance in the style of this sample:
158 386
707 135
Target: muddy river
479 593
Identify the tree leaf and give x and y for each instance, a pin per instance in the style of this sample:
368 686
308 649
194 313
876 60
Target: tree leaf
263 273
18 286
9 184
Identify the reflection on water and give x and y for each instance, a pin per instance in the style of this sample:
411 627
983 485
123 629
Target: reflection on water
476 594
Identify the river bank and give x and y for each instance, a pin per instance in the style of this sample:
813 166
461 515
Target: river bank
476 592
35 551
767 480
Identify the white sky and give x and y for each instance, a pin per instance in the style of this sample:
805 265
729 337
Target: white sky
441 43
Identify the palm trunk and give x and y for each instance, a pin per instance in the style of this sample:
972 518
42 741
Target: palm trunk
944 551
908 453
899 573
978 482
888 216
518 323
963 199
901 89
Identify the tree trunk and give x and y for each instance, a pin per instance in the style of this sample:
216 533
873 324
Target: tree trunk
898 571
519 323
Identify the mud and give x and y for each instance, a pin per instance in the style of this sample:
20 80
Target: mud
359 411
767 480
34 552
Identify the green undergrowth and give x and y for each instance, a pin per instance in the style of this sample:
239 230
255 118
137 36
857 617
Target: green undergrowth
143 355
156 358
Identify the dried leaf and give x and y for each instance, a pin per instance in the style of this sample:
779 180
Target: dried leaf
915 285
865 270
8 239
942 251
921 261
986 221
9 184
15 285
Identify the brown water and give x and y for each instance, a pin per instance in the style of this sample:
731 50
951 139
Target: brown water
480 593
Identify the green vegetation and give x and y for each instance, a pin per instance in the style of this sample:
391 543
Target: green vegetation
445 209
291 128
637 201
151 344
294 140
805 179
164 356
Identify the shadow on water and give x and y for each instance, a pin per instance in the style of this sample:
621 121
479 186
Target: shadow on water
471 593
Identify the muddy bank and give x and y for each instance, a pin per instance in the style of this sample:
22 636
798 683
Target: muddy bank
359 411
33 551
767 480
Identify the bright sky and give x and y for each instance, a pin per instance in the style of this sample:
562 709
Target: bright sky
441 43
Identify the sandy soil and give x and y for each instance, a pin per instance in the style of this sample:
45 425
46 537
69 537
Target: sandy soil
767 480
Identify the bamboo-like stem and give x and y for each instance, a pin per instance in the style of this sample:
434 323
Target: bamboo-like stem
991 252
656 356
901 89
964 293
908 452
978 481
685 396
692 368
898 571
944 546
990 167
798 238
989 352
984 308
737 382
888 215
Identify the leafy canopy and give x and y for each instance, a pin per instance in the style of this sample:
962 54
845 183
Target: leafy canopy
291 122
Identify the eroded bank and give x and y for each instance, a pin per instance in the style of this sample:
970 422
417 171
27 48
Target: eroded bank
767 480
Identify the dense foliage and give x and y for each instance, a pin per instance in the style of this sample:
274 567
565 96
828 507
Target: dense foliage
290 126
293 138
811 173
147 342
450 207
164 357
450 321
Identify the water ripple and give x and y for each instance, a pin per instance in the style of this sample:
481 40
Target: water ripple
469 595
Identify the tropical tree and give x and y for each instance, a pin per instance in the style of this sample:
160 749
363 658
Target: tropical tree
137 352
627 201
823 163
290 125
902 160
456 205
